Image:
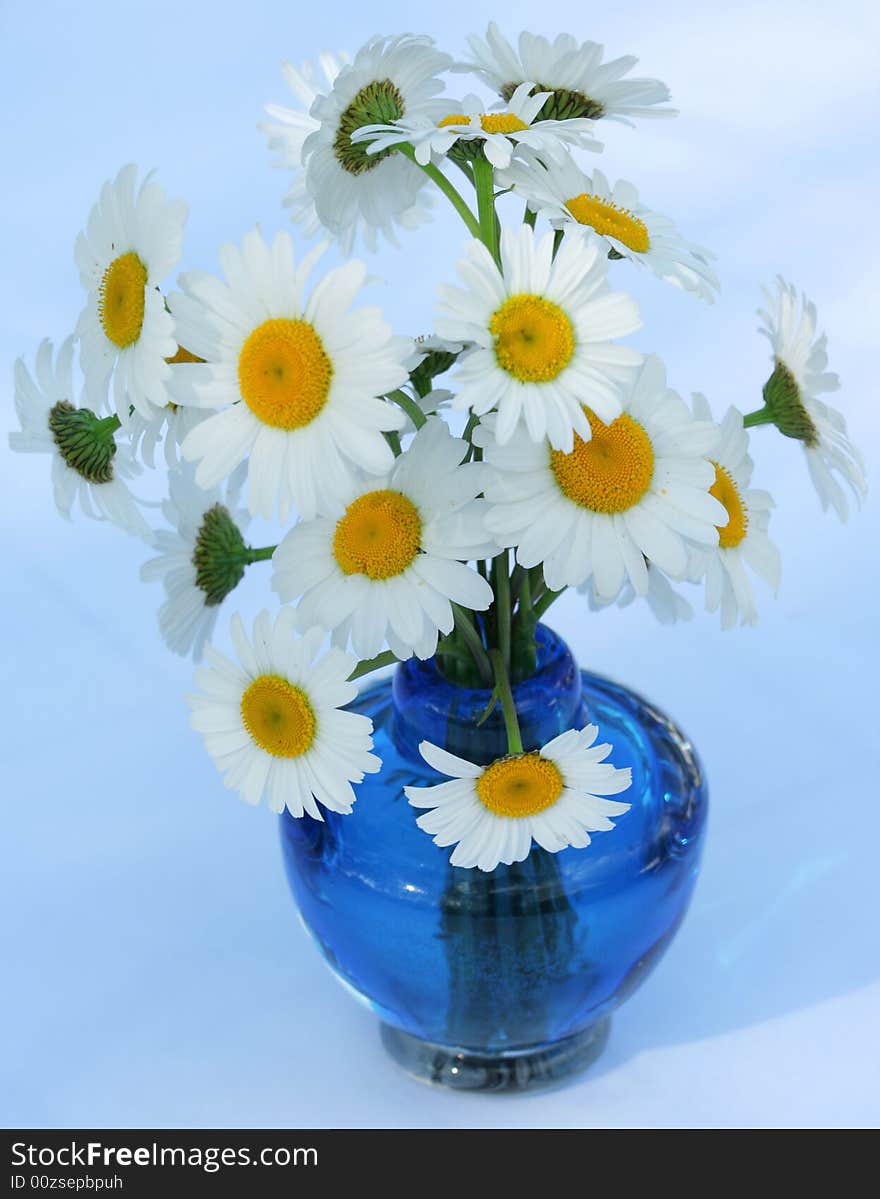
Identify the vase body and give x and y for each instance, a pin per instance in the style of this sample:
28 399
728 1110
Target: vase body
506 979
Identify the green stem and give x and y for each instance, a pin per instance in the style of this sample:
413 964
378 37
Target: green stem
451 194
393 440
761 416
368 665
262 553
484 181
508 707
472 422
468 630
529 217
501 577
410 407
545 601
523 648
109 424
472 450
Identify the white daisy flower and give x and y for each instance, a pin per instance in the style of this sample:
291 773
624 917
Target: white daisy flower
560 191
582 85
543 331
287 132
300 376
743 540
498 133
666 604
391 565
273 724
87 462
202 558
791 396
628 497
130 244
554 796
359 193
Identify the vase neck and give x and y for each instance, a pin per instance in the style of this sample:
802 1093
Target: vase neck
428 707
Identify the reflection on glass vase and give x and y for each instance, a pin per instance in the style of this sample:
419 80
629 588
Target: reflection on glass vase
502 980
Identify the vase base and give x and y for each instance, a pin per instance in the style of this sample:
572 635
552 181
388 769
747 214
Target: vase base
519 1070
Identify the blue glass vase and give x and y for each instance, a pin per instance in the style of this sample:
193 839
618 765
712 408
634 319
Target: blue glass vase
502 980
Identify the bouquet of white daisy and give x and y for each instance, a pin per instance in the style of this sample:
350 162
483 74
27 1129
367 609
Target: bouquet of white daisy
419 521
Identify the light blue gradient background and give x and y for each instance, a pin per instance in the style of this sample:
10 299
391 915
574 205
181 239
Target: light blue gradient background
155 973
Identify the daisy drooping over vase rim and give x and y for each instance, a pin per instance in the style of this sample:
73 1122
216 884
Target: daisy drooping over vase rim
433 495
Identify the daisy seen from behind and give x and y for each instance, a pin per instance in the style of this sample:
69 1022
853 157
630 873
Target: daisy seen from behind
554 797
791 397
296 378
88 464
273 721
743 541
582 85
631 496
543 330
560 191
131 242
355 193
287 131
202 558
391 564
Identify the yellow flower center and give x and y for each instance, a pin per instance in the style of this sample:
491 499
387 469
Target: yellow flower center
725 491
608 219
184 355
278 716
284 373
534 338
610 472
519 786
121 299
491 122
379 535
